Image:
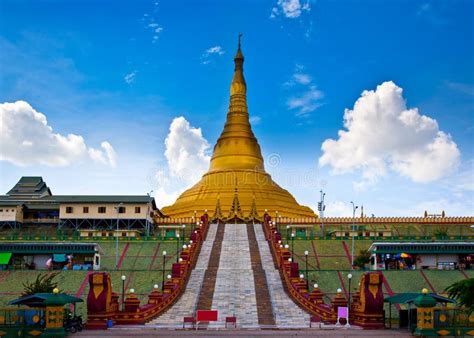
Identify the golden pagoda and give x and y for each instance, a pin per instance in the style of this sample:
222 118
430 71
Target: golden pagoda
236 173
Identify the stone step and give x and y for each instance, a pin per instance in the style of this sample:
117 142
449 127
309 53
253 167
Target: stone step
264 304
184 307
287 313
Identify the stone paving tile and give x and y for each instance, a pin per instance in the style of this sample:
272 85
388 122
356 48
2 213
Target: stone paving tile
234 293
287 313
185 306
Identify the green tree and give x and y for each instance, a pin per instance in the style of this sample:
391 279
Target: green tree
362 259
44 283
463 292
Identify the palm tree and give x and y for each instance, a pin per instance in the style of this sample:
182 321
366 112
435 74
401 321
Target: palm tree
463 292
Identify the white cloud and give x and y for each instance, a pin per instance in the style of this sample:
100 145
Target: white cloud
337 209
302 78
381 132
464 88
255 119
106 156
216 50
27 139
306 102
130 77
186 151
308 98
290 8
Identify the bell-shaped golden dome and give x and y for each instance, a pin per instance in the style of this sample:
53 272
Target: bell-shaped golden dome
237 165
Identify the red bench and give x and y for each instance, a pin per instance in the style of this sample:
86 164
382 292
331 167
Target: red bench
205 316
231 320
189 320
315 319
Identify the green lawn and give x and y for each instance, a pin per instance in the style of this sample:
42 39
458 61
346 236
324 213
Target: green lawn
442 279
405 281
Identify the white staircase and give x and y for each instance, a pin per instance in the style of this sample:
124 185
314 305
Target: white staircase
185 306
234 293
287 313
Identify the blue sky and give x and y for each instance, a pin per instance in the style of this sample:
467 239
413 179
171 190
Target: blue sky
120 72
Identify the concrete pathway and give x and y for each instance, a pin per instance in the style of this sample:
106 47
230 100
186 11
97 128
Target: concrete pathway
185 306
148 332
287 313
234 293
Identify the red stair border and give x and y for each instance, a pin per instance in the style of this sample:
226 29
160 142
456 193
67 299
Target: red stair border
389 290
346 250
342 284
428 281
316 255
464 274
155 254
122 256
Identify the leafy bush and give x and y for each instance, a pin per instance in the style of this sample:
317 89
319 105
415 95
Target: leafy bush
44 283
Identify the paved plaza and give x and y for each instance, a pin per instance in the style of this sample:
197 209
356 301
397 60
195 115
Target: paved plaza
146 332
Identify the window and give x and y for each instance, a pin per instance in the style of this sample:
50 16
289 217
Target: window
137 210
102 210
121 210
85 210
69 210
1 210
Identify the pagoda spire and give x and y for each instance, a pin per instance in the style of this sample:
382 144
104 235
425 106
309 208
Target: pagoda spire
237 146
218 211
253 215
235 211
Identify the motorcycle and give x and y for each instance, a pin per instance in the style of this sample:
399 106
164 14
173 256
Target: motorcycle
73 324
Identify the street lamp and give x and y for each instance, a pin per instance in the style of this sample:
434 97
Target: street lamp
116 237
148 214
292 243
306 262
163 271
349 276
184 231
177 246
321 208
354 208
287 232
123 288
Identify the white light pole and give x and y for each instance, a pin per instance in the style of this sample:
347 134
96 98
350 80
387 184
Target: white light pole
349 276
147 224
116 237
321 208
123 288
354 208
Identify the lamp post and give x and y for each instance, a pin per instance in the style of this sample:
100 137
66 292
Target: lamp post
148 214
306 263
163 271
349 276
292 244
123 289
354 208
177 247
116 237
184 231
287 232
321 208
